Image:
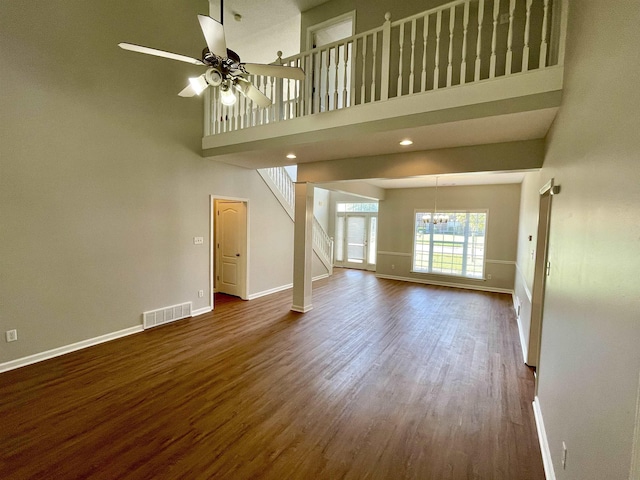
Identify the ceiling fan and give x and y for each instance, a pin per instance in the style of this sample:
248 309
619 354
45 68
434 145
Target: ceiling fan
225 68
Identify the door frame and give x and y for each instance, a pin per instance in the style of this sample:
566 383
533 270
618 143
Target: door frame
311 29
365 265
541 271
212 251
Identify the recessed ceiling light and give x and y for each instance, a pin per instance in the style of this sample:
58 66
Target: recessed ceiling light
406 142
291 156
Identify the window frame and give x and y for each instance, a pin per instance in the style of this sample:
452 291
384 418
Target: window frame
423 211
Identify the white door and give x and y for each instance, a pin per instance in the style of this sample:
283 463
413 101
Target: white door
231 238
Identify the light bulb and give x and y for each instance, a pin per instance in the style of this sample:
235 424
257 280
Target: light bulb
227 97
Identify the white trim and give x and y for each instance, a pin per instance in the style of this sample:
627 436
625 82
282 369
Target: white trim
396 254
445 284
523 344
201 311
634 472
332 21
263 293
298 309
56 352
501 262
281 288
549 472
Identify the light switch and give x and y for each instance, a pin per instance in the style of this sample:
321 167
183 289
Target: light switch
198 240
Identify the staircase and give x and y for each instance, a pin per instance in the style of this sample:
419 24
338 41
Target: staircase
282 187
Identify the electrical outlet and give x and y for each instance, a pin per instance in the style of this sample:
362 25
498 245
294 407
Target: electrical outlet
11 335
488 276
200 293
393 267
504 18
564 455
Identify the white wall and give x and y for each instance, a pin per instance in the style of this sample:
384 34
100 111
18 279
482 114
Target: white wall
102 183
590 354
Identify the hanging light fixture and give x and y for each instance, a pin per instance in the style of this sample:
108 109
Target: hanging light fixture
438 218
227 97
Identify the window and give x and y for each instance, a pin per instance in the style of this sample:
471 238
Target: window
357 207
450 243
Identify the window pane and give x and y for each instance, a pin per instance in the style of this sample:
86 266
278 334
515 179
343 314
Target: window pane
422 242
355 239
373 226
339 243
357 207
450 243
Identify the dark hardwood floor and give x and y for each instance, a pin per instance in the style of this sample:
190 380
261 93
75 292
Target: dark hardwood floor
381 380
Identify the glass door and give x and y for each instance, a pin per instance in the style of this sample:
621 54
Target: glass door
356 240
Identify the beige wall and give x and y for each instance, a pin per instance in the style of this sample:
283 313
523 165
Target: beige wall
395 230
102 183
525 264
590 353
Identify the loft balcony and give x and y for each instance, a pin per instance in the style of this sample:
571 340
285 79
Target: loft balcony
470 72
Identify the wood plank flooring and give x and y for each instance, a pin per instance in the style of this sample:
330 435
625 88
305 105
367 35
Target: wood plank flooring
381 380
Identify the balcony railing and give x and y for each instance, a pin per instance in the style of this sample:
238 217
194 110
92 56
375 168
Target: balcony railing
462 42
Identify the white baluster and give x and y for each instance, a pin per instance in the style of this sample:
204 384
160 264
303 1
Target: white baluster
386 57
345 57
336 79
374 49
363 93
317 80
494 38
465 27
401 42
452 23
352 72
436 70
476 76
512 6
425 34
527 28
327 66
413 54
543 44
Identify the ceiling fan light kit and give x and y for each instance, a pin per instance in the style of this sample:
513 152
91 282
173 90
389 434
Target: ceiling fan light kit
225 70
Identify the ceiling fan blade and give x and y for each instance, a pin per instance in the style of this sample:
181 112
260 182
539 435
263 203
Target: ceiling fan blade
252 93
160 53
213 32
188 91
280 71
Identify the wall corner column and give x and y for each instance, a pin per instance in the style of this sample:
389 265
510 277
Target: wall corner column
303 248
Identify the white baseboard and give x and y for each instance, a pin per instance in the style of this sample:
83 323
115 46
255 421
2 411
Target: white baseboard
253 296
201 311
56 352
549 472
523 344
517 307
298 309
446 284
